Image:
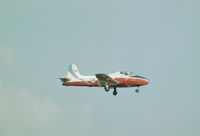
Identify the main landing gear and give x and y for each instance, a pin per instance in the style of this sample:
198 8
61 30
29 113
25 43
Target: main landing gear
115 91
106 87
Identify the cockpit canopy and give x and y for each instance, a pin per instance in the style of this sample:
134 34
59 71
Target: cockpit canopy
131 74
126 73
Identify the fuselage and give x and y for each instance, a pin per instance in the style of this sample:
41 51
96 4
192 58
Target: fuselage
123 80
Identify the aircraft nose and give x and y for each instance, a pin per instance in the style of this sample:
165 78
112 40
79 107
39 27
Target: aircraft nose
146 81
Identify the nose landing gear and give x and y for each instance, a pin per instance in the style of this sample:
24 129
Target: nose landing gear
137 90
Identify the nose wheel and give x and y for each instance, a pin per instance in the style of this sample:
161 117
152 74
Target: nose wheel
115 91
137 90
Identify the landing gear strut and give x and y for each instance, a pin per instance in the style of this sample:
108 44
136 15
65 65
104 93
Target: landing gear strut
115 91
106 87
137 90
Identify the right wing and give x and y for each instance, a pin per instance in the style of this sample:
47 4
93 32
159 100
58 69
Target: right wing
103 78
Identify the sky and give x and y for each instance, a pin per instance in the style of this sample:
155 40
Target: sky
157 39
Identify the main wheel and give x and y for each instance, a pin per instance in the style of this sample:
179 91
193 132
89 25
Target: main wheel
115 91
137 90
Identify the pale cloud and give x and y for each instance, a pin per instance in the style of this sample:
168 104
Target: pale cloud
6 55
24 113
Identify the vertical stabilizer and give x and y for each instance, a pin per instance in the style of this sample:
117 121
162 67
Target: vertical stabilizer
74 71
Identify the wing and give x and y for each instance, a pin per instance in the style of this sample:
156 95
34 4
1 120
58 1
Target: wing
103 78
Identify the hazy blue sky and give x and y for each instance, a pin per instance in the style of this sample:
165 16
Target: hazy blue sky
158 39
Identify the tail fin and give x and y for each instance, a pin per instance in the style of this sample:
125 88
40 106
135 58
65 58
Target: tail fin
73 70
72 74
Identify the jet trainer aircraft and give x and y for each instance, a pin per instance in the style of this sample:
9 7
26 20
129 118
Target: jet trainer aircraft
108 81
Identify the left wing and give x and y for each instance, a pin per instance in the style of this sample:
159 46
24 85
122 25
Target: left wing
103 78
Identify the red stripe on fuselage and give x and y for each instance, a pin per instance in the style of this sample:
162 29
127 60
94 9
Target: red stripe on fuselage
81 83
123 82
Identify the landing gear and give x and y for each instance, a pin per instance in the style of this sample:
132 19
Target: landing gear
137 90
115 91
106 87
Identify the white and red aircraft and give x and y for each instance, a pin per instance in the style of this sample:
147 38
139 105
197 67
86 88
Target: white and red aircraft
114 80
